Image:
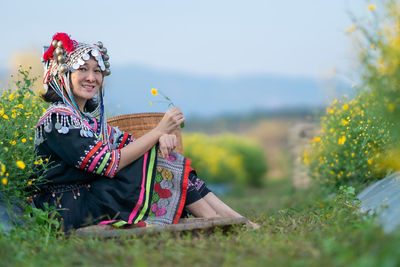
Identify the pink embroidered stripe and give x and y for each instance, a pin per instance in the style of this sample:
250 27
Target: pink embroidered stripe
96 159
141 197
106 222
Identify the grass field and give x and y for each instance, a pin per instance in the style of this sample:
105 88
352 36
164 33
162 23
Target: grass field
308 227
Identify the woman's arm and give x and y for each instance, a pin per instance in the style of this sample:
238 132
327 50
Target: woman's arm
170 122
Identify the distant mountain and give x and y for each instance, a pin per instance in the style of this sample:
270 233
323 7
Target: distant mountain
128 91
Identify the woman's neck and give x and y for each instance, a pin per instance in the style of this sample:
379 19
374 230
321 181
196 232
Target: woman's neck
81 104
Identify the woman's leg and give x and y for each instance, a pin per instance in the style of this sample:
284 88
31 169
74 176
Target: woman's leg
220 207
201 208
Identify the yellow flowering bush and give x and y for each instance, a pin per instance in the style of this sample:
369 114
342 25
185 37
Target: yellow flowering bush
20 110
360 138
351 144
226 158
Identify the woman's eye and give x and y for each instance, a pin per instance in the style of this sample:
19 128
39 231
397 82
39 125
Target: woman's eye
82 69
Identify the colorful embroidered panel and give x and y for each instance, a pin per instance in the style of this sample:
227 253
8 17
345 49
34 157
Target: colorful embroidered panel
169 191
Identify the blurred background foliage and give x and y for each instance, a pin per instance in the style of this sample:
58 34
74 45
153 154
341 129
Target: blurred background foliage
226 158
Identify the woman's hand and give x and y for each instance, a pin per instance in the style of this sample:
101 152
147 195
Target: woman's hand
167 144
171 121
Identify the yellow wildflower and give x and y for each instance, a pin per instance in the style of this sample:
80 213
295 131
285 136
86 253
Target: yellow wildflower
29 182
23 140
154 91
371 7
21 164
331 130
5 117
11 97
2 112
373 47
13 142
13 115
391 107
316 139
345 106
344 122
4 181
3 168
370 161
150 103
351 29
342 140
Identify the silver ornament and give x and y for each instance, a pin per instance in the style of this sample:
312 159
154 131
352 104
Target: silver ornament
75 66
64 130
99 44
54 43
47 128
103 50
95 52
63 68
106 72
81 62
85 57
59 51
106 57
107 64
60 59
60 44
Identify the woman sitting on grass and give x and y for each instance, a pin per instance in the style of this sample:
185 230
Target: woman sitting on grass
99 174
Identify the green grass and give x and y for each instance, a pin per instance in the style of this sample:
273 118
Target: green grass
299 228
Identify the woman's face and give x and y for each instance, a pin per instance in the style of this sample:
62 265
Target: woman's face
86 82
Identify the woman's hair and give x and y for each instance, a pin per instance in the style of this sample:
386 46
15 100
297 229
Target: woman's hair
52 97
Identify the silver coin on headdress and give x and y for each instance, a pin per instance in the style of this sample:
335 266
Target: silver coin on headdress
75 65
85 57
95 52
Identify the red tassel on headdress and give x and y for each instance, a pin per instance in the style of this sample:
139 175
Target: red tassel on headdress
68 45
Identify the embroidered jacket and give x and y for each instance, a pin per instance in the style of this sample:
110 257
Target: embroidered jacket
74 148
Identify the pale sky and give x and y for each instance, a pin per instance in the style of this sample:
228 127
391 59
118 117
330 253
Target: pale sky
213 37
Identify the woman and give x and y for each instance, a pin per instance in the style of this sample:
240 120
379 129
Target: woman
99 174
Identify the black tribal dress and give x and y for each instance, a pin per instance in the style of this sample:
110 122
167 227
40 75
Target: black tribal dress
83 182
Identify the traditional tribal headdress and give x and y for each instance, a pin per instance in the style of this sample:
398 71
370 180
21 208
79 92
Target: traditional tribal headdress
65 56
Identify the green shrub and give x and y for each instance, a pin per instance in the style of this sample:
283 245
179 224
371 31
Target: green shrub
226 158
